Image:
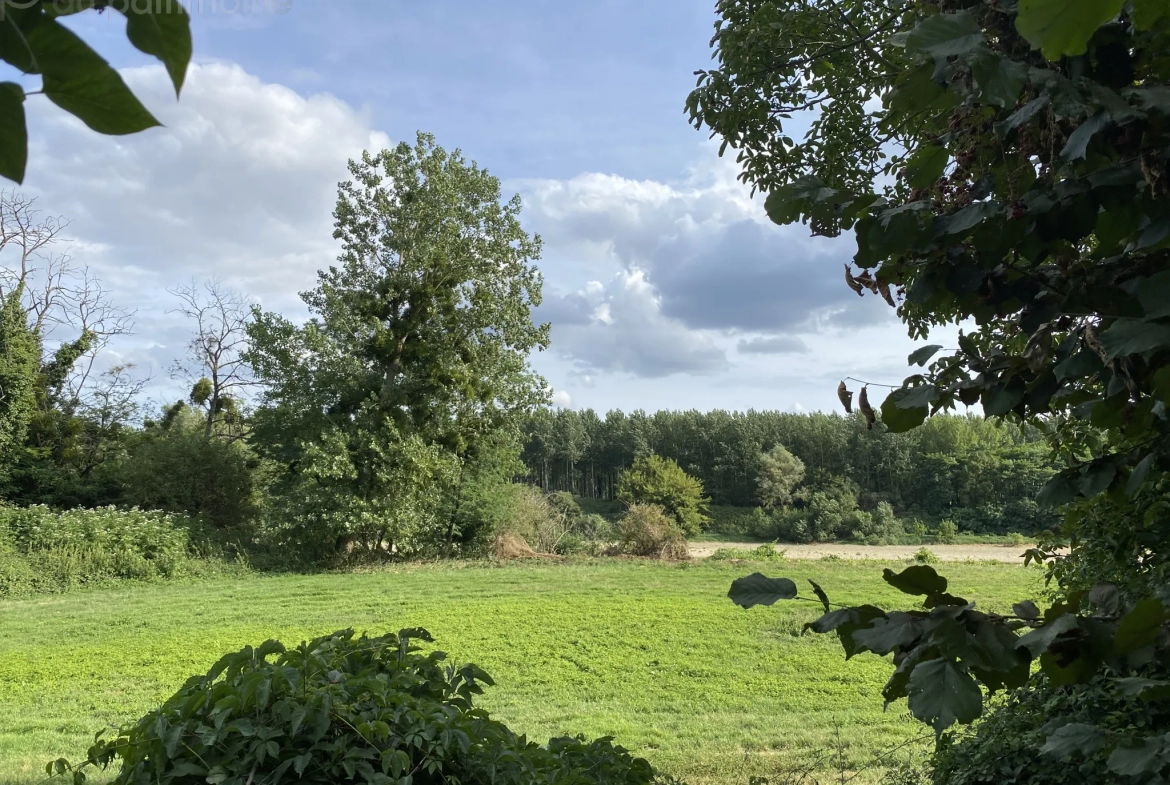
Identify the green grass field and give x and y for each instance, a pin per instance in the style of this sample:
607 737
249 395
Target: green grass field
652 654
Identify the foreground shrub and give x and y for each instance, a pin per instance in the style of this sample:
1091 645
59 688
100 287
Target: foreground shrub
1006 746
345 708
646 530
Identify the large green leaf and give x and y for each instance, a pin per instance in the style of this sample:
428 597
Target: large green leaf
1134 336
919 579
81 82
1000 79
102 101
1074 737
899 419
1141 759
1140 627
941 694
13 132
1154 295
1078 142
758 589
896 631
926 165
1038 640
163 30
944 35
1063 27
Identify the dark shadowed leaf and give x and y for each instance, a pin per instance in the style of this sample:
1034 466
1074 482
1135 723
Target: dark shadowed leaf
1058 491
1000 79
941 694
897 631
943 35
1026 610
1074 737
926 165
1038 640
13 132
1154 295
758 589
919 579
1134 336
1078 141
921 356
1138 760
824 598
1140 627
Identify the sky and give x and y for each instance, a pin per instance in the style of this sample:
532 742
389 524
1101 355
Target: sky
665 284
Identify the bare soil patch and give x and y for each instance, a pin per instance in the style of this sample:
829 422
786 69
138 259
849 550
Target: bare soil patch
1000 553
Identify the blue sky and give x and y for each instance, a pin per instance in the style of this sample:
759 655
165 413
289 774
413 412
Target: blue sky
665 284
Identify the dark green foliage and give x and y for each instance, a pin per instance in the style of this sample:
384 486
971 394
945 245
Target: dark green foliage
48 552
345 708
20 363
1006 746
178 470
660 481
74 76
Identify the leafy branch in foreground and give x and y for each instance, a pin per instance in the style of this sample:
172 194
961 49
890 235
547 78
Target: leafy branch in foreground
73 75
947 654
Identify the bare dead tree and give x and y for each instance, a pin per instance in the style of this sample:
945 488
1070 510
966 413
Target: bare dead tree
63 300
215 365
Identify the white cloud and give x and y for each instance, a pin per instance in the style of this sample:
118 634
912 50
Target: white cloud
628 333
240 184
562 399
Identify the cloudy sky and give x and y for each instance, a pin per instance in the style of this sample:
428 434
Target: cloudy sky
665 284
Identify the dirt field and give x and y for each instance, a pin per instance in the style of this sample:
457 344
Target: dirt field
1000 553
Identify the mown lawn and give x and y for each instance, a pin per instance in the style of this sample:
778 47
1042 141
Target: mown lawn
652 654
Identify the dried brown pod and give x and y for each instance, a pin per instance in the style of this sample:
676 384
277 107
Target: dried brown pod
853 284
884 291
845 397
866 410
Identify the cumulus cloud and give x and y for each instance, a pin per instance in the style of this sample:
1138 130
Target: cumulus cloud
239 185
620 326
780 344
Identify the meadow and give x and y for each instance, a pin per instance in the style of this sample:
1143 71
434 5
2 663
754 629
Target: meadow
650 653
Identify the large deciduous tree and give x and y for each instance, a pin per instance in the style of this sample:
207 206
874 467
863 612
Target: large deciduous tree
1004 164
416 352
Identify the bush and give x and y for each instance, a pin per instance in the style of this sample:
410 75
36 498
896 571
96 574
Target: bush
532 517
180 471
661 481
948 531
43 551
1005 746
344 708
646 530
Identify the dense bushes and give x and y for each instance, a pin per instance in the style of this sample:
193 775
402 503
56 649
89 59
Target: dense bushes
1005 747
42 551
347 708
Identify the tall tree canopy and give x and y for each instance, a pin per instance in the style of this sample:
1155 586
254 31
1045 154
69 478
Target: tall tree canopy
417 351
1002 163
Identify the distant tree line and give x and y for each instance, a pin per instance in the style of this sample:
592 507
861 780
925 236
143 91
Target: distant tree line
981 474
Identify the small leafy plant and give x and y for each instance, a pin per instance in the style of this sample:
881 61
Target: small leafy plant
343 708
